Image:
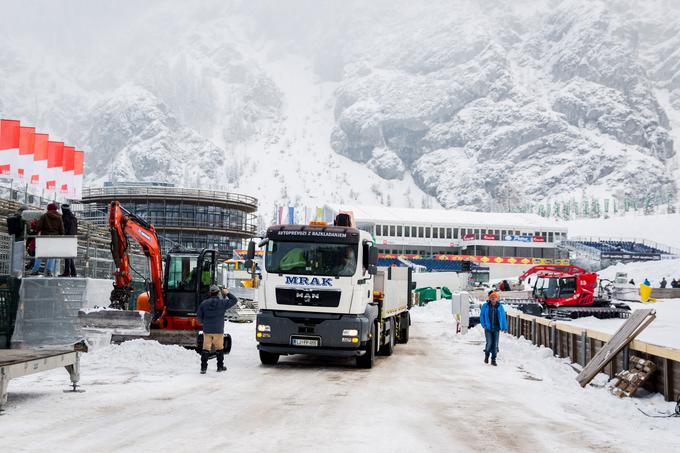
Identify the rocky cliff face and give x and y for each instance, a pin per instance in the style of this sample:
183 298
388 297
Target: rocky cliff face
523 108
467 104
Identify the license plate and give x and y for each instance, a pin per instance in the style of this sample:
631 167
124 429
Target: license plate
310 342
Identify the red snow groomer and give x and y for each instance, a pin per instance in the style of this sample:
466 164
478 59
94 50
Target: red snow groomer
568 292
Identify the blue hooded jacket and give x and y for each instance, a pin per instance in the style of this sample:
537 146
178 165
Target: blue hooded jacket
485 320
211 312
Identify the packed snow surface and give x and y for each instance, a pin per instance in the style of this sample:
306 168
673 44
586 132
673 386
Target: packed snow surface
433 394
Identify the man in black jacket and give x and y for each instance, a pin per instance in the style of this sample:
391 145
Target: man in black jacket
70 229
211 316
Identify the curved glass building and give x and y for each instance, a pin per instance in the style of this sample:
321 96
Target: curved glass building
190 218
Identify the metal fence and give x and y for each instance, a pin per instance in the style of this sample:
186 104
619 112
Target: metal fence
9 298
112 193
94 259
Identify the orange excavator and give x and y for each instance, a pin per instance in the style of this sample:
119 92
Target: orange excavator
173 294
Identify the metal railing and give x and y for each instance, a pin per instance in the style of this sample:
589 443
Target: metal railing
112 193
657 245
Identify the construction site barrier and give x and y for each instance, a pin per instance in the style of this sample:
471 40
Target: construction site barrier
580 344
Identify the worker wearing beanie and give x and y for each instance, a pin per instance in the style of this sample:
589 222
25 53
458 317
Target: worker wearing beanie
50 224
493 320
211 316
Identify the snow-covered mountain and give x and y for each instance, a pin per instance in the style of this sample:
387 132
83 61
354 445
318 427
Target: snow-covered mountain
474 104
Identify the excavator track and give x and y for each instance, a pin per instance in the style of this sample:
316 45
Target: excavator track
567 313
531 307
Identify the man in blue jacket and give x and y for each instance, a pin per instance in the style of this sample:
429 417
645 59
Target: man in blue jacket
493 320
211 315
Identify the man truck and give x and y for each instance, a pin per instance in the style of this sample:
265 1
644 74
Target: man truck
322 293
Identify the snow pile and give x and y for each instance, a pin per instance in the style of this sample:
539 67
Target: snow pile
142 356
663 331
654 271
557 375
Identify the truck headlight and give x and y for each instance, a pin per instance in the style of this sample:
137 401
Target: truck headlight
263 328
350 333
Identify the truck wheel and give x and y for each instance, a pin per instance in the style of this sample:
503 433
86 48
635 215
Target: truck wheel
404 326
388 348
368 359
268 358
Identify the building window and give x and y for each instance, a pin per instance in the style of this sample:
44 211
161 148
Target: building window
550 236
378 230
448 233
427 232
441 233
399 230
476 233
392 231
385 232
407 231
421 232
435 233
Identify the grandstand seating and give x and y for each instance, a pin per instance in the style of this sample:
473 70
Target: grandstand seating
620 250
432 265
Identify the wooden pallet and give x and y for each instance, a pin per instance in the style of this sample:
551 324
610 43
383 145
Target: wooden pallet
637 322
627 382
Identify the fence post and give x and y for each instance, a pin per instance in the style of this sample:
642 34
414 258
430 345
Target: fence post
584 348
533 331
553 339
626 358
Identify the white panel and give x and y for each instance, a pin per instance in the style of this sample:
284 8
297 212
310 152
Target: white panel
56 247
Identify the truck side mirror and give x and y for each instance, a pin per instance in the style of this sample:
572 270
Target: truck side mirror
372 260
250 256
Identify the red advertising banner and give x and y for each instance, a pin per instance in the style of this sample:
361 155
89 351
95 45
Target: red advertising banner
539 239
69 158
9 134
31 157
78 162
481 259
40 147
469 237
26 140
489 237
55 154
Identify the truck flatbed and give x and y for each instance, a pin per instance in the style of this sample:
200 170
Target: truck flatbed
22 362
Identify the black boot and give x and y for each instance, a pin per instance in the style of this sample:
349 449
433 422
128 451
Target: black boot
204 361
220 360
493 362
486 357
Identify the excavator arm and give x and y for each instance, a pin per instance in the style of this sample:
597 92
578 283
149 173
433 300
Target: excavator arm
123 225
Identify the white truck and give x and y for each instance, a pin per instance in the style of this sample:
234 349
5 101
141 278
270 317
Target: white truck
322 293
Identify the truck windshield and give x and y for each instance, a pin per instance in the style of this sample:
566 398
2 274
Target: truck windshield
310 258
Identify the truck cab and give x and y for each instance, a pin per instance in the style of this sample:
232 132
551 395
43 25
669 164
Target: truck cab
317 293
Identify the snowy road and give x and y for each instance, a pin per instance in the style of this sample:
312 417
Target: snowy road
434 394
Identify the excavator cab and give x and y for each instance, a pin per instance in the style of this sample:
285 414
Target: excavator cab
188 276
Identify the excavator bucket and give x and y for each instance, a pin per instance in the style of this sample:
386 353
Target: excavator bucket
116 322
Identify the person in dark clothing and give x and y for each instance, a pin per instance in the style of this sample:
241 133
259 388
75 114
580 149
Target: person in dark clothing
493 320
211 316
663 283
674 283
50 224
70 229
